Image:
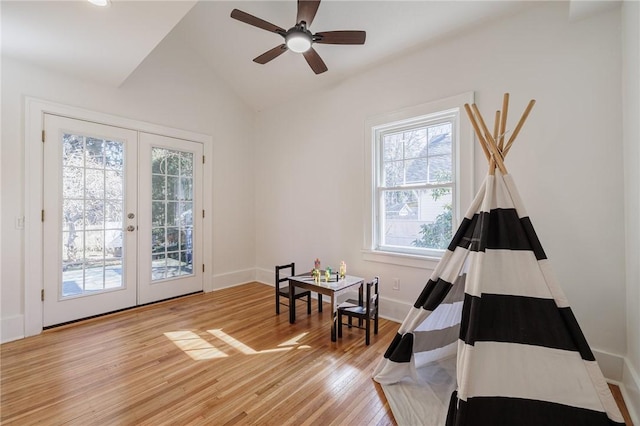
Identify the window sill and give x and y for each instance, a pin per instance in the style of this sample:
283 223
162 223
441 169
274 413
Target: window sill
400 259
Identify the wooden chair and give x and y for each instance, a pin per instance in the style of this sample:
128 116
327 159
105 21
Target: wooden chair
365 311
282 290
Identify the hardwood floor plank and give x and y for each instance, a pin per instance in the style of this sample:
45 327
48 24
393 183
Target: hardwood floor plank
217 358
221 358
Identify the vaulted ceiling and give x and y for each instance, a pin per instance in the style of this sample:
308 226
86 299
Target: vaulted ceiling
106 45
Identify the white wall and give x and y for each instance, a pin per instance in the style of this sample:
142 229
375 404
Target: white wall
631 135
567 161
173 88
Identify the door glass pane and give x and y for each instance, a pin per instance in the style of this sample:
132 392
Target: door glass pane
172 218
92 214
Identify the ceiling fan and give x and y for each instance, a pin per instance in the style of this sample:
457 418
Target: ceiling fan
298 38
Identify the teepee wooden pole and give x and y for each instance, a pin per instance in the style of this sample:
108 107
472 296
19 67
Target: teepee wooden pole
503 121
474 124
496 128
492 166
525 114
495 153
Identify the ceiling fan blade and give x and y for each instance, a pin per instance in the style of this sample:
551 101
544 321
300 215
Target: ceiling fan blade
256 22
315 61
340 37
271 54
307 11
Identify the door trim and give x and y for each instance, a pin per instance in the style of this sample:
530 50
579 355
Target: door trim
35 109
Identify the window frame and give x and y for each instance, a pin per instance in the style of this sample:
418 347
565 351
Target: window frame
448 116
422 115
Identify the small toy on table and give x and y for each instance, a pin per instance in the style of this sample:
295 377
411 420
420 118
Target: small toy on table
343 269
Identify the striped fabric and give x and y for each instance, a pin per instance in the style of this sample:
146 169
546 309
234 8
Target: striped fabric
521 356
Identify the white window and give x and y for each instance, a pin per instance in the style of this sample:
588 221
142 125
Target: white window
420 177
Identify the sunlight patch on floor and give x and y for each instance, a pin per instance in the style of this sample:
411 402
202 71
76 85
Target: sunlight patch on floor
194 346
295 341
236 344
200 349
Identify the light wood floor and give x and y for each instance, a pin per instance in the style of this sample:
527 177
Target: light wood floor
219 358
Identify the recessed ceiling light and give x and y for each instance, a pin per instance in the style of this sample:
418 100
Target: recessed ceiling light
101 3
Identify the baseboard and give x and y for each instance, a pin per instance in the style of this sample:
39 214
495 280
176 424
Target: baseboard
615 368
390 309
610 364
265 276
394 310
12 328
631 391
234 278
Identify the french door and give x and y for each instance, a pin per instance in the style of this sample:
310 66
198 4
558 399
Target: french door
169 203
120 226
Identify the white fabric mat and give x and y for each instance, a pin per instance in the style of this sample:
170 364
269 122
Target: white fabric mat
424 403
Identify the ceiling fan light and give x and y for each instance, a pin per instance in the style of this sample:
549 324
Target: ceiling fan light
298 42
101 3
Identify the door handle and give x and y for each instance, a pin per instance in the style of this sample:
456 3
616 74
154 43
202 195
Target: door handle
131 228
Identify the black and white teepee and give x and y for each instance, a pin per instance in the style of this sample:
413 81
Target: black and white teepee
521 356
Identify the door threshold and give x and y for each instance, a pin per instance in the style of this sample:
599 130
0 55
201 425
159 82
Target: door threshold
112 313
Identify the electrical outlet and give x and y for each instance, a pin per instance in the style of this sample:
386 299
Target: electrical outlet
396 283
